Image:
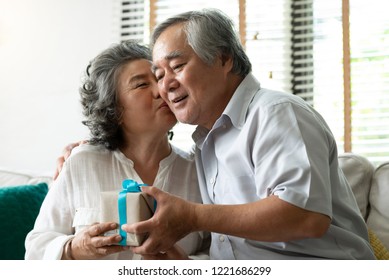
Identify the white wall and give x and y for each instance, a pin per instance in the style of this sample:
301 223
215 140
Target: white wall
45 46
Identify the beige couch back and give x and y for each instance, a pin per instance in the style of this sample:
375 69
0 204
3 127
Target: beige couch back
13 178
371 189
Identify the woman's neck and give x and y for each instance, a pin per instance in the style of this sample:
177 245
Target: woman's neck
146 153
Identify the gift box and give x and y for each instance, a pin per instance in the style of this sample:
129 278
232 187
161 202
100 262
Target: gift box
126 207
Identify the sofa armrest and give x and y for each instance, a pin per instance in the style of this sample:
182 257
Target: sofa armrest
378 218
359 173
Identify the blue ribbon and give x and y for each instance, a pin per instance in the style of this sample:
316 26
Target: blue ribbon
129 186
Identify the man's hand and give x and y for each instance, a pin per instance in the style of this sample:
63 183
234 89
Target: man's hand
65 154
175 253
173 220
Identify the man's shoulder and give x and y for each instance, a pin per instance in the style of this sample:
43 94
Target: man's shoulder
267 99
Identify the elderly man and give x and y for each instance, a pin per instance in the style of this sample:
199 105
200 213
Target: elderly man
267 162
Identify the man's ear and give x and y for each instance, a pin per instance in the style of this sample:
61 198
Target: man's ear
227 61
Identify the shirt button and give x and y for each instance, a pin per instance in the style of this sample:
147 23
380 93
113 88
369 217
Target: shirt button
212 180
221 238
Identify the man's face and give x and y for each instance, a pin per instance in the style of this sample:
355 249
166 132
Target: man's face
194 91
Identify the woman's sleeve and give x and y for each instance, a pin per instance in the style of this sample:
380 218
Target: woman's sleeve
53 226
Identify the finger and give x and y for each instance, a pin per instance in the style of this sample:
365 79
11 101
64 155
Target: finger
150 190
146 250
99 229
71 146
60 162
154 192
139 228
108 250
102 241
148 247
68 149
159 256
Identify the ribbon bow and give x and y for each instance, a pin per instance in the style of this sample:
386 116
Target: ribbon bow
129 186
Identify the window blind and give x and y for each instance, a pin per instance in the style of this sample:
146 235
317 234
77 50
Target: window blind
302 49
268 42
328 88
369 46
134 20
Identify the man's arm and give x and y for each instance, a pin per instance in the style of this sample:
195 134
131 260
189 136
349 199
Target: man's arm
269 220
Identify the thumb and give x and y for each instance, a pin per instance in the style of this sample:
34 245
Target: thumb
137 228
152 191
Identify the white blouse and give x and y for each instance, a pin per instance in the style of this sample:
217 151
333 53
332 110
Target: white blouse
73 201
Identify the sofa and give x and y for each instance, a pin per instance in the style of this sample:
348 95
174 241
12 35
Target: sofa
22 193
370 186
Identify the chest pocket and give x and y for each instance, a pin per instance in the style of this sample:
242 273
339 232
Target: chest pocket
236 189
85 217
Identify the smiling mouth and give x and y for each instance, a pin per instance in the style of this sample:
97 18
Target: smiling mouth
179 99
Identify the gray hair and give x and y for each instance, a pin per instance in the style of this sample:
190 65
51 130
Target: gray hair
99 95
210 33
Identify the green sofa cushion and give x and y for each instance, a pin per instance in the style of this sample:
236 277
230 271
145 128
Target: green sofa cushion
19 207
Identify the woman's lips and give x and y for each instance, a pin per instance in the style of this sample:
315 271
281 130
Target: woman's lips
163 104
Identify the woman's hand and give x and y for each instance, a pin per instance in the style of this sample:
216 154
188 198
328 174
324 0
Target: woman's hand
175 253
89 244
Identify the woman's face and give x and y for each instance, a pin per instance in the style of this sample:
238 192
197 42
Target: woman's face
144 111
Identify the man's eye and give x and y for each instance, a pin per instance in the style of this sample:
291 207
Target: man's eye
178 66
159 77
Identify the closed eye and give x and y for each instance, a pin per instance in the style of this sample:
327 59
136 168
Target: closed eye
141 85
178 66
159 77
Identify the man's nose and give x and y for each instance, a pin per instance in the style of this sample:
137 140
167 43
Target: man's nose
170 82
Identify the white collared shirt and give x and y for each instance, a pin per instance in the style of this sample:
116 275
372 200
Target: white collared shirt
272 143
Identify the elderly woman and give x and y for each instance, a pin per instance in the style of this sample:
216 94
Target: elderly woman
129 125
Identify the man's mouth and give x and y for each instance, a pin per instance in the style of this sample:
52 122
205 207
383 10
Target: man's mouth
178 99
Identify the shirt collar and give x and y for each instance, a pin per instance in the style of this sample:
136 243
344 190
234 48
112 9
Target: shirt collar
236 108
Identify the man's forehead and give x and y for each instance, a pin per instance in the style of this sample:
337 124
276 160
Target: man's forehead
166 57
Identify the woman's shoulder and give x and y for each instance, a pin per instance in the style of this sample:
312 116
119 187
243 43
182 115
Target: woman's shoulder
186 155
183 161
88 151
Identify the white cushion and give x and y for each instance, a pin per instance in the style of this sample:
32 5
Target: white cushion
359 173
14 178
378 219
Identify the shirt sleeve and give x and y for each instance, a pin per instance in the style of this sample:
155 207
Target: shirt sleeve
53 226
291 157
